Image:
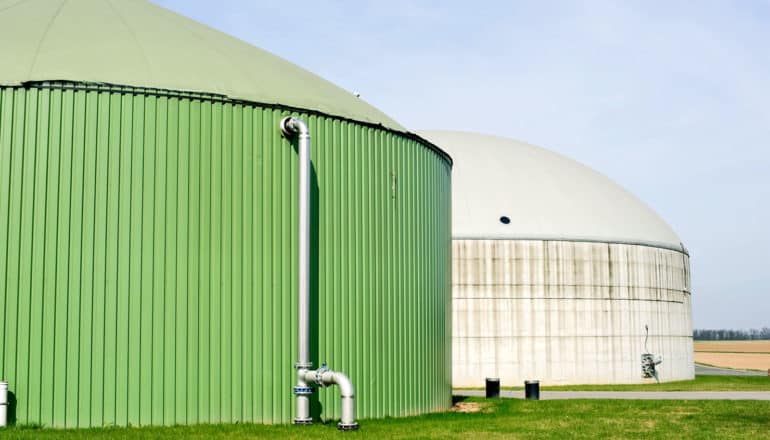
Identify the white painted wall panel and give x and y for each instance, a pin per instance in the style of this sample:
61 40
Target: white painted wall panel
568 312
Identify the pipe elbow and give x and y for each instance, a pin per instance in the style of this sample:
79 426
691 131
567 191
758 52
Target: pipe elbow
291 126
329 377
346 386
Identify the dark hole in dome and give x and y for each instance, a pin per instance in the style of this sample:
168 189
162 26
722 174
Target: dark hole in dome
505 220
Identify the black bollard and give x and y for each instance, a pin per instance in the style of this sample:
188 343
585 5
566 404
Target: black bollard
532 389
493 388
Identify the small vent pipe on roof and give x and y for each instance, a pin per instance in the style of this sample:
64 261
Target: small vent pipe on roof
295 127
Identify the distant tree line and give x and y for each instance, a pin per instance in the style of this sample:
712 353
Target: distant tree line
730 334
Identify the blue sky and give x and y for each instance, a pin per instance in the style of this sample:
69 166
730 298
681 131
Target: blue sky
671 99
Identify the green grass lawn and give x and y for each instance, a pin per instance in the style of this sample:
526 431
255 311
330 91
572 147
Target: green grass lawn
701 383
501 418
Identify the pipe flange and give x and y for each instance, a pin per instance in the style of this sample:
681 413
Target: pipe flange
299 421
303 390
319 375
347 426
303 365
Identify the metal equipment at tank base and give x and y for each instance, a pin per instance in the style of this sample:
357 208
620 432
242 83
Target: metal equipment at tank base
324 377
3 404
294 127
649 362
532 389
492 387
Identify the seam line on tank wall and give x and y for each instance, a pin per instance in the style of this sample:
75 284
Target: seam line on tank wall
70 144
593 286
509 337
656 245
93 263
34 143
45 213
577 298
20 202
7 245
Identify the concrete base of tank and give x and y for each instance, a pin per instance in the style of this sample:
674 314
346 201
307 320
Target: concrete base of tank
568 312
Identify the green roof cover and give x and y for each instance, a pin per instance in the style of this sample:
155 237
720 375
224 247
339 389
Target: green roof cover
135 43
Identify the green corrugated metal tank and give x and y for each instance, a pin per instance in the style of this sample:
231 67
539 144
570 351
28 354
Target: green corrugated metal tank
148 228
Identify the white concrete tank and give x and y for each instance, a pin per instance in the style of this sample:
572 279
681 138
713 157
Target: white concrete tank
559 274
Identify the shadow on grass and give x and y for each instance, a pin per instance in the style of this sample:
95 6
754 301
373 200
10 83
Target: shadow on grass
12 404
458 399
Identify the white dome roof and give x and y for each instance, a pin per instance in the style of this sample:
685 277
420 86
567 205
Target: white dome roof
545 195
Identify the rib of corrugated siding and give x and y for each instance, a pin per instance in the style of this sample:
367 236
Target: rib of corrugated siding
383 204
568 312
148 264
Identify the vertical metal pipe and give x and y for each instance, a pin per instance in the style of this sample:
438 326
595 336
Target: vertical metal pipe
298 127
304 241
290 127
323 377
348 413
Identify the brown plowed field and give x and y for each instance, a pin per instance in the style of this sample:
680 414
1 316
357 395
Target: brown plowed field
733 346
744 355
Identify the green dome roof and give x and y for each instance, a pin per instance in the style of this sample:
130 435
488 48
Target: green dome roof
135 43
